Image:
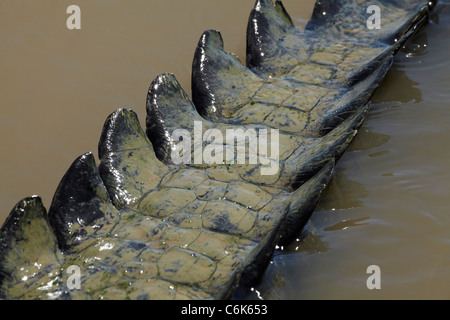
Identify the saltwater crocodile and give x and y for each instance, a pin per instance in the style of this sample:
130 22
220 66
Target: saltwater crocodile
143 226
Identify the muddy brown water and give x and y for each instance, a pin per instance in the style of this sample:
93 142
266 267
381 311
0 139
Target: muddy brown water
388 203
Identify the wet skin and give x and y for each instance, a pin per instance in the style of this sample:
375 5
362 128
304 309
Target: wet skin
141 227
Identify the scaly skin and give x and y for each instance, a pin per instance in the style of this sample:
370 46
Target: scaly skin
141 227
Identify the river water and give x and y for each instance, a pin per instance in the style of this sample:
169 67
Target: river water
387 205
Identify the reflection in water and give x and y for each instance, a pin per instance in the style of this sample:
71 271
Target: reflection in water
368 139
417 46
309 242
342 193
398 87
331 215
268 290
378 154
342 225
282 268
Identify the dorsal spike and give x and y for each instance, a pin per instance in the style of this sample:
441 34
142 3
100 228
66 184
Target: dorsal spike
122 131
267 27
323 10
221 84
81 208
26 242
128 164
168 108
